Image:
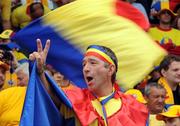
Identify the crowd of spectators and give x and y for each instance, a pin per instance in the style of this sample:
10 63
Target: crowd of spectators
158 91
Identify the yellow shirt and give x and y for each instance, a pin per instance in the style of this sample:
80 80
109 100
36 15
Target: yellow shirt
165 36
19 55
20 18
10 78
5 9
154 122
11 104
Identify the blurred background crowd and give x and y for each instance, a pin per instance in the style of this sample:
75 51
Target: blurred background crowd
159 90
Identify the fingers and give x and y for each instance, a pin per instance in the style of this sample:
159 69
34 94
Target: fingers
46 49
39 45
33 56
41 54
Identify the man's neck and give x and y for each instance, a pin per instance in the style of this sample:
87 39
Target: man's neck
153 112
172 85
165 26
104 92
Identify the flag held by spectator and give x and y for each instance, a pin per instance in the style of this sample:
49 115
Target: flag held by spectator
71 28
39 109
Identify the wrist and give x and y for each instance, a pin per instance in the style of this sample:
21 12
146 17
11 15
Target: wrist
42 70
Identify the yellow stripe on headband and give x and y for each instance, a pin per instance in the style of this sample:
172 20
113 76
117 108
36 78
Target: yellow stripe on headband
104 55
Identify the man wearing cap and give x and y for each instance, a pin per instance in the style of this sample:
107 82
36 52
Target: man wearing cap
164 33
171 117
3 68
101 104
6 44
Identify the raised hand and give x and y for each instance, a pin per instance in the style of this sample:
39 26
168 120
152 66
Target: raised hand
41 55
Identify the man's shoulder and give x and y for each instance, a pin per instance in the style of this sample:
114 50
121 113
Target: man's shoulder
13 91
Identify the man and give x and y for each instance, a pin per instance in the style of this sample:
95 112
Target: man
3 68
164 33
101 103
22 75
11 99
155 96
11 105
171 117
36 10
21 16
170 71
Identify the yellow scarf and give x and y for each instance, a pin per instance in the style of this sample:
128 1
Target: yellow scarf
169 96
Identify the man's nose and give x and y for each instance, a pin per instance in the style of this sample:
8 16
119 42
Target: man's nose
178 72
161 99
86 68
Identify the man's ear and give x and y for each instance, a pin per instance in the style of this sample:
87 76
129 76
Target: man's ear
163 72
112 69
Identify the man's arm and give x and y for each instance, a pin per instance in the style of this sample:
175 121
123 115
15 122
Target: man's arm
40 56
6 12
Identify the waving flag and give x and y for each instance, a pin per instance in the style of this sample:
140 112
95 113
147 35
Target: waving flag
71 28
39 109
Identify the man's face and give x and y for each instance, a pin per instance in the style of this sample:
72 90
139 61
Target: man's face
172 75
172 121
22 78
165 17
2 76
58 78
38 11
95 73
156 100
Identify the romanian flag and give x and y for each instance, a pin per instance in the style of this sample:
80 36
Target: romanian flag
39 109
75 26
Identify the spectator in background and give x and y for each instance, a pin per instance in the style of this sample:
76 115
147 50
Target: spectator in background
164 33
5 12
11 99
177 9
59 78
3 68
22 75
171 117
170 80
10 77
155 95
36 10
11 105
21 16
177 23
6 44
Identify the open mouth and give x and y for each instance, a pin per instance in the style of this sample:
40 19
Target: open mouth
89 79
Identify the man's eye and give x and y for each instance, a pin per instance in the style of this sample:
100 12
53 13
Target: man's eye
83 64
93 62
